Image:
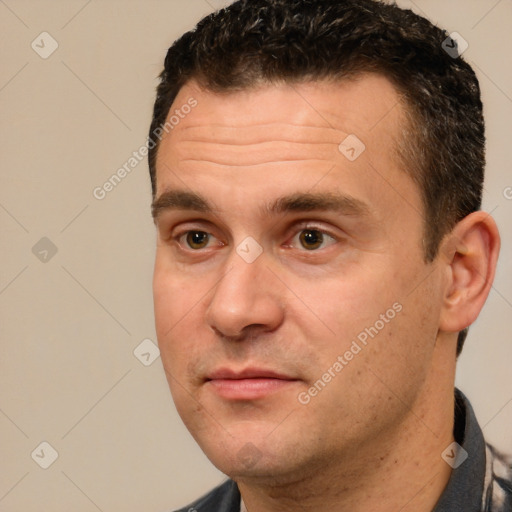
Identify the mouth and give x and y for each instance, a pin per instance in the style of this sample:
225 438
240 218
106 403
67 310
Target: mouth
249 384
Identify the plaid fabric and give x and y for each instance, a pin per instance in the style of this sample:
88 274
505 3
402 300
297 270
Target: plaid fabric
497 495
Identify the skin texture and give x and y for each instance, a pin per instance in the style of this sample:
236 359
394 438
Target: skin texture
371 439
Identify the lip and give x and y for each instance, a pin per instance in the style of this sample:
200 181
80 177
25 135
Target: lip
247 384
247 373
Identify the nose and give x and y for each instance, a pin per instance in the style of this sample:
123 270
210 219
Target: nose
246 300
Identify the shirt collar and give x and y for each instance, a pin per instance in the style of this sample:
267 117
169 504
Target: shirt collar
465 487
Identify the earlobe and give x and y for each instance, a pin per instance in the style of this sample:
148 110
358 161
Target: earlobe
471 250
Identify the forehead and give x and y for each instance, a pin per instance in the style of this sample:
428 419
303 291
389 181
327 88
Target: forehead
269 138
356 104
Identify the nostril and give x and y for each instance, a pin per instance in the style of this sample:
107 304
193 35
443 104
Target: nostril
248 333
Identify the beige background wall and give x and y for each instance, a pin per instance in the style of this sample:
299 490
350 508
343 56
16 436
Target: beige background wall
70 321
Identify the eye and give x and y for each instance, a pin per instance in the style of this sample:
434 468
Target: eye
196 239
312 239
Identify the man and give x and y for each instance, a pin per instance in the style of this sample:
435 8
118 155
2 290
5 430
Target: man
317 169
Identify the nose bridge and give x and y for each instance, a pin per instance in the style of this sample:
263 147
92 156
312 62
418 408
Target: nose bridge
244 296
239 279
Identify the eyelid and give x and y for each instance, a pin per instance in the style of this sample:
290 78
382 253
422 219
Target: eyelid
185 226
178 235
183 233
314 226
181 229
297 228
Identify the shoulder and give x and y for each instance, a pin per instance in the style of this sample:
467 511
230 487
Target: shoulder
498 481
224 498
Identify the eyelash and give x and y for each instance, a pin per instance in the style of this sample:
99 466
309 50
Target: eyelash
328 238
179 238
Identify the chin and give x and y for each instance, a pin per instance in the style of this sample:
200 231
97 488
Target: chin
255 456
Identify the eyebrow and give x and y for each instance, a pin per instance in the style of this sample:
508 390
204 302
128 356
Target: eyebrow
180 200
305 202
298 202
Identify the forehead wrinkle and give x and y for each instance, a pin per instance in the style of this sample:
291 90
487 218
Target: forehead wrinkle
259 133
255 154
251 165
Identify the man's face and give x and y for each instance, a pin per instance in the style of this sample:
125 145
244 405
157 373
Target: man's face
281 253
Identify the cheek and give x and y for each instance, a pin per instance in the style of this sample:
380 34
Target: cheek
174 296
165 293
346 304
176 304
370 307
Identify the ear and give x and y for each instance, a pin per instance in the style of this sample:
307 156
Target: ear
471 251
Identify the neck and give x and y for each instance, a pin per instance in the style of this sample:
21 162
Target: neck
401 470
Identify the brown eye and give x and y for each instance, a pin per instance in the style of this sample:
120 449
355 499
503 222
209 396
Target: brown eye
197 239
311 239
